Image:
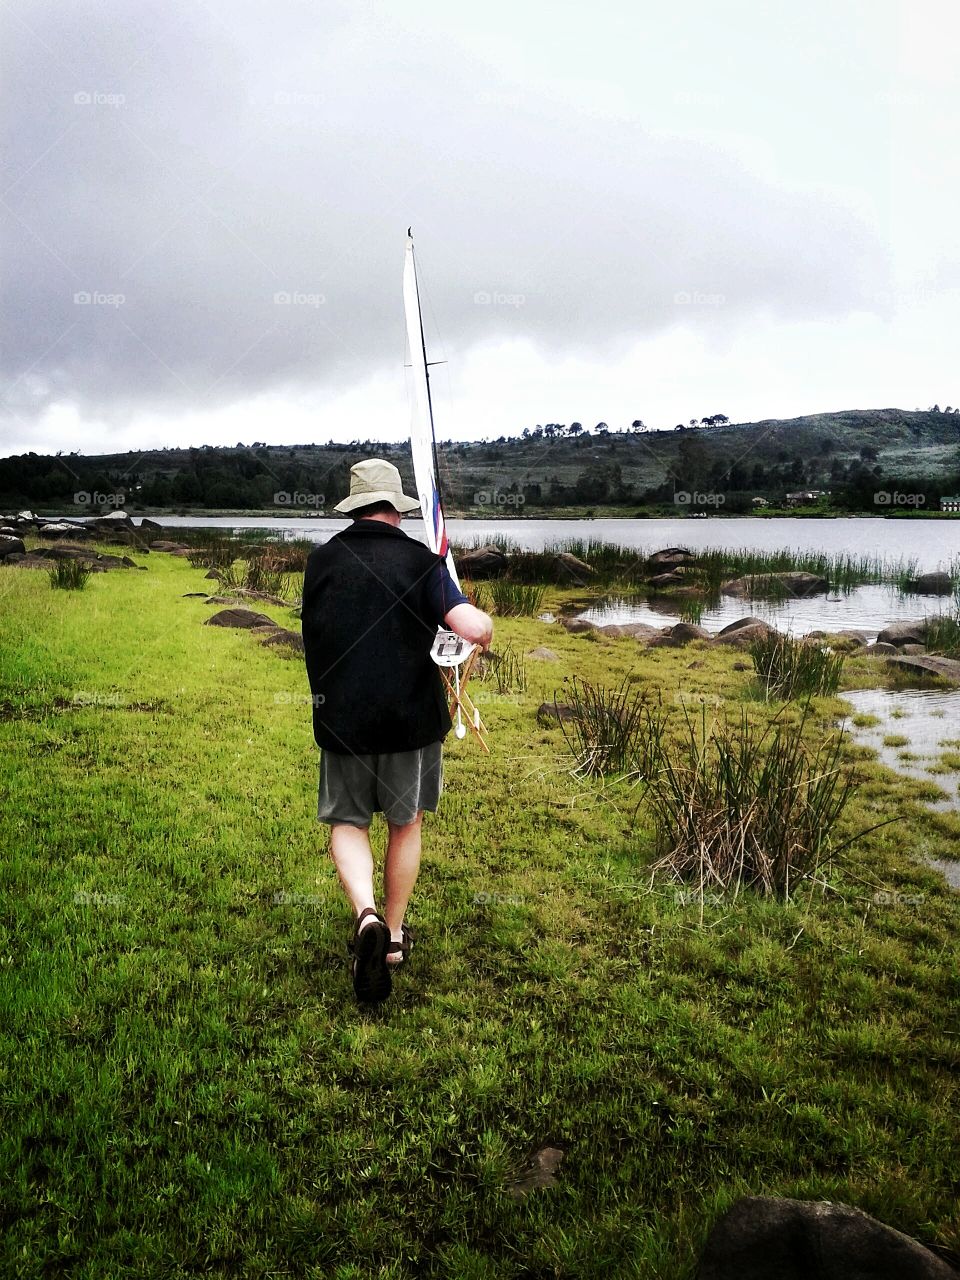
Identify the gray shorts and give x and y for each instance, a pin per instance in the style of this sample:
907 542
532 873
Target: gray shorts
397 784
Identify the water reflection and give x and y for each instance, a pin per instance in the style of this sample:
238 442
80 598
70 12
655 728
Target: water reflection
917 731
866 609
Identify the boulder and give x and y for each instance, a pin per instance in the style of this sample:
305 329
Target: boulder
61 528
576 625
931 663
766 1238
899 633
796 583
661 580
239 618
744 636
9 545
642 630
481 562
150 526
543 654
931 584
114 518
549 713
672 556
913 648
280 636
571 569
162 544
878 650
740 623
685 632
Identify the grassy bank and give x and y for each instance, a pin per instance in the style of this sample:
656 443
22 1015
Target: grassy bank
190 1088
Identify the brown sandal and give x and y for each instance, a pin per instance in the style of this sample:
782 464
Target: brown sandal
402 949
368 947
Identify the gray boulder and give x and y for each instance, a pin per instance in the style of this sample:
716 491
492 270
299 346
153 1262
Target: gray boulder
481 562
765 1238
899 633
571 569
744 636
245 618
680 634
543 654
577 625
671 556
931 663
796 583
670 579
878 650
931 584
10 545
150 526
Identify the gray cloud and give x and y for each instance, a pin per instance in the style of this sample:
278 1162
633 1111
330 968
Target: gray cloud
200 163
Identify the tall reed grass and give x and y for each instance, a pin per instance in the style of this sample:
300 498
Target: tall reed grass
612 730
69 575
748 806
789 668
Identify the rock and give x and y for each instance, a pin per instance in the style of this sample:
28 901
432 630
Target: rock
930 584
796 583
280 636
899 633
873 650
239 618
539 1173
481 562
162 544
642 630
572 569
150 526
114 517
685 632
731 627
60 529
214 574
672 556
549 713
744 636
577 625
9 544
194 595
543 654
766 1238
913 648
666 580
933 664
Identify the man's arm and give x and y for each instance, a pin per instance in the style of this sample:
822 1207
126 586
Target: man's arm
473 624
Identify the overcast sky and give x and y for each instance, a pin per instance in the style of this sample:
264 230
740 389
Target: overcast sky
622 210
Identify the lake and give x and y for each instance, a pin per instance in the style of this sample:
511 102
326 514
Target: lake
932 544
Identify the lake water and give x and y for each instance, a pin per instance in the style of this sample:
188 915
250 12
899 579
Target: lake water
866 609
932 544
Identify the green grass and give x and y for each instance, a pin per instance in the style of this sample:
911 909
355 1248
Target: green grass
69 575
789 668
189 1087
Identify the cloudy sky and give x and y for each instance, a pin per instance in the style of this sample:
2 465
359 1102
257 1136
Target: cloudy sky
621 210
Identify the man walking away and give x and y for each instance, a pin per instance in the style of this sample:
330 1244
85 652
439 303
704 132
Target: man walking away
372 601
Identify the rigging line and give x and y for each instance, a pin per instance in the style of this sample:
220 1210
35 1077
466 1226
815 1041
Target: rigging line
426 371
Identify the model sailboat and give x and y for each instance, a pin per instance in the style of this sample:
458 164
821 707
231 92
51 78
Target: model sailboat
454 655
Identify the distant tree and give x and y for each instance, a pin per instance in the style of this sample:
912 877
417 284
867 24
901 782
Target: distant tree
694 422
868 453
602 428
679 427
638 425
574 429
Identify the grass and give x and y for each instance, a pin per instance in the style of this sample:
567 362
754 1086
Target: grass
69 575
189 1087
612 730
790 668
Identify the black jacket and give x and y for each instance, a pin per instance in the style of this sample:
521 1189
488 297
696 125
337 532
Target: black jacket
368 626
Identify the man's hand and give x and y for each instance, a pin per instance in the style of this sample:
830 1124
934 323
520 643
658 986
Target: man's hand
473 624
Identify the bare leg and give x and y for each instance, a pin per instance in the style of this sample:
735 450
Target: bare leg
400 874
353 858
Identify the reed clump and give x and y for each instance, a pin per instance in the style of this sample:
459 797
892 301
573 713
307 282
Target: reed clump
612 730
790 668
745 806
69 575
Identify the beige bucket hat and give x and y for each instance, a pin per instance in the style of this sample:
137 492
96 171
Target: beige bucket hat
375 480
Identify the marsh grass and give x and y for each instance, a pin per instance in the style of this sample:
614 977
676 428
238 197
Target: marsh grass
515 599
506 670
190 1089
69 575
943 631
612 730
748 806
789 668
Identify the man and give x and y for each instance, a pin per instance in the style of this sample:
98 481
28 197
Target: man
372 601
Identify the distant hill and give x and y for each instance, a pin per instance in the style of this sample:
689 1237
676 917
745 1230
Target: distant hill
850 453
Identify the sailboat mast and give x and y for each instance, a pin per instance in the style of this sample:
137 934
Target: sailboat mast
426 368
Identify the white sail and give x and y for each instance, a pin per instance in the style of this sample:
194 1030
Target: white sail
422 444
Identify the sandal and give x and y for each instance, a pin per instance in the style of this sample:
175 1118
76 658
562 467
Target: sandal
368 947
402 949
